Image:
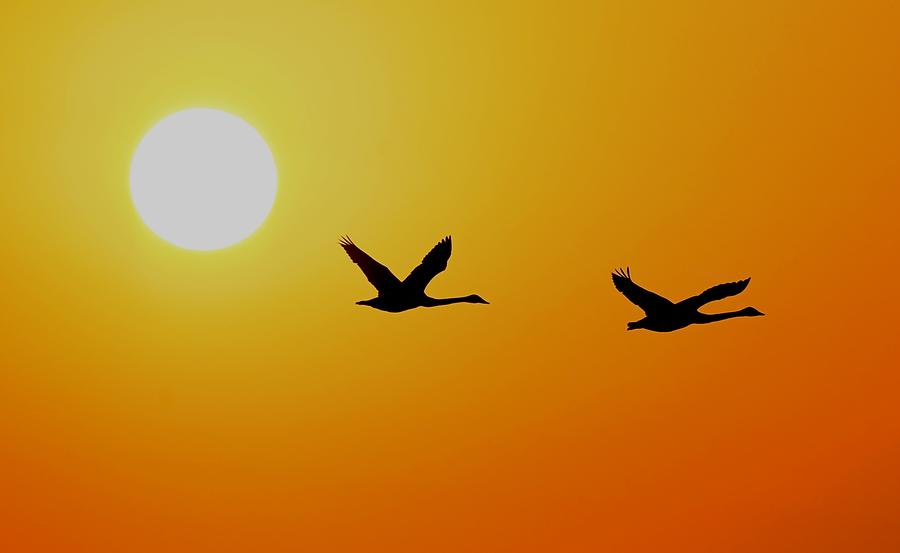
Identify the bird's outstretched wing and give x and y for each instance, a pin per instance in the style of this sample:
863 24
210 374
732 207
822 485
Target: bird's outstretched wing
433 263
380 276
718 292
645 299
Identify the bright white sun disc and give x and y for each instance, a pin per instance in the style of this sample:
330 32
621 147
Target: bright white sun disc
203 179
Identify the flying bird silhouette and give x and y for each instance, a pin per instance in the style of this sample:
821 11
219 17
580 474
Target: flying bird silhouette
396 296
665 316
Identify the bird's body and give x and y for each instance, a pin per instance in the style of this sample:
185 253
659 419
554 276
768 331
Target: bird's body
665 316
394 303
676 319
395 295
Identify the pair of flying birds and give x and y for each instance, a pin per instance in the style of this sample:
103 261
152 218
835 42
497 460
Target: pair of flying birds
662 315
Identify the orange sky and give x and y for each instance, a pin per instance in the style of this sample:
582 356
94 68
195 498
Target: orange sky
157 399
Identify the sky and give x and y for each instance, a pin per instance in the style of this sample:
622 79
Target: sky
158 399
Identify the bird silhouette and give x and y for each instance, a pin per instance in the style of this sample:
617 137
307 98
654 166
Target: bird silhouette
396 296
665 316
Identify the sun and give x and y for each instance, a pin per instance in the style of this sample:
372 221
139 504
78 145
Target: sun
203 179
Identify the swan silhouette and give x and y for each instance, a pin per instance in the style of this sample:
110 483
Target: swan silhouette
665 316
396 296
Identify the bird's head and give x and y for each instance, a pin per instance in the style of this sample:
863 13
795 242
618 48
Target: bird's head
751 312
475 298
634 326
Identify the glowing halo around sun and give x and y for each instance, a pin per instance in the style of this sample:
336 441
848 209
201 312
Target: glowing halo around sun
203 179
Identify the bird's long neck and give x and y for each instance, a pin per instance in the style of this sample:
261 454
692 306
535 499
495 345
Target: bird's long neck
434 302
704 318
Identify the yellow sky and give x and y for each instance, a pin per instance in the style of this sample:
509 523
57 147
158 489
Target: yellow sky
240 400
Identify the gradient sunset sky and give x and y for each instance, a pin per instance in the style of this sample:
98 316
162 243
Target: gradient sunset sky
162 400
